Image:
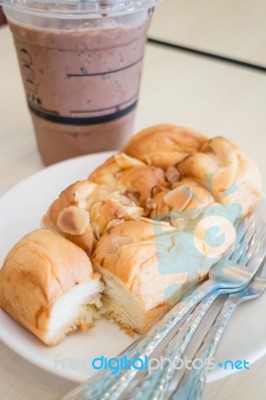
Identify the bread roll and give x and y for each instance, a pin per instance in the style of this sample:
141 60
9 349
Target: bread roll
68 214
84 209
106 174
113 209
164 145
187 199
231 177
146 266
48 286
190 207
130 177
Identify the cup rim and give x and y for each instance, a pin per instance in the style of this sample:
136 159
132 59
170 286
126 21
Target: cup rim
78 8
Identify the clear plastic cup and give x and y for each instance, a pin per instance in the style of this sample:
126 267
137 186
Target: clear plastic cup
81 64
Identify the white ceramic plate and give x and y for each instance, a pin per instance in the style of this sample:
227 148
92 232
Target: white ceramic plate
20 211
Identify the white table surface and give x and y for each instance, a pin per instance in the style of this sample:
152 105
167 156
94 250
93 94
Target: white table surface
210 96
235 28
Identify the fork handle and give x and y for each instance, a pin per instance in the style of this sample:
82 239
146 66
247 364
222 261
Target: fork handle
156 385
106 385
192 384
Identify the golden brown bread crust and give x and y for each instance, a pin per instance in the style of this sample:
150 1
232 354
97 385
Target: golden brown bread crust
164 145
141 181
106 173
132 177
132 252
129 241
185 195
37 271
227 172
197 195
106 212
84 209
70 197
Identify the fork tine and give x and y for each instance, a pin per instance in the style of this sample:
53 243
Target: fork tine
241 229
254 240
258 253
261 271
252 228
248 239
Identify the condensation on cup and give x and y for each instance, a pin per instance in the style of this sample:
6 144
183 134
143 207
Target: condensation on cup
81 66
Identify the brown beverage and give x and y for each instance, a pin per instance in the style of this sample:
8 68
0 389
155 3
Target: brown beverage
81 79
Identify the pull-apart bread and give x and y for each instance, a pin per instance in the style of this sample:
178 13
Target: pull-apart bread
84 209
47 285
151 219
164 145
147 266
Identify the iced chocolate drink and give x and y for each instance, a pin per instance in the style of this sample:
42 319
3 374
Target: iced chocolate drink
81 79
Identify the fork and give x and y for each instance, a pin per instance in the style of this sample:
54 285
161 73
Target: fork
162 382
234 277
159 385
192 384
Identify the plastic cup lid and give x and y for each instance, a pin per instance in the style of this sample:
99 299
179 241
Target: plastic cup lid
80 8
